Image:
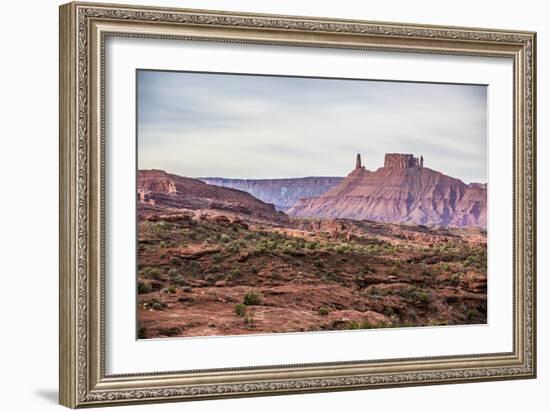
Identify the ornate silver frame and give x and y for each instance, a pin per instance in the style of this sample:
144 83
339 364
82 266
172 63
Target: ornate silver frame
83 30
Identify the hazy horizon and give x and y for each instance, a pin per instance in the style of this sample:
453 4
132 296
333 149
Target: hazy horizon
265 127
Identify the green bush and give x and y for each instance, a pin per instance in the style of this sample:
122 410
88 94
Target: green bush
388 311
472 314
233 247
144 288
456 278
367 269
173 273
151 273
323 311
359 325
217 258
235 275
342 248
252 298
422 297
313 245
161 227
240 310
170 290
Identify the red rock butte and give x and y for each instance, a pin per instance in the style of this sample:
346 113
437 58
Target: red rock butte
403 191
395 160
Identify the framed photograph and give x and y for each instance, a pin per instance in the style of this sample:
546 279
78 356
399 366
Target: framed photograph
260 204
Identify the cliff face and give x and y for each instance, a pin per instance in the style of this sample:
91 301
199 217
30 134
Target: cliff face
283 193
401 192
160 189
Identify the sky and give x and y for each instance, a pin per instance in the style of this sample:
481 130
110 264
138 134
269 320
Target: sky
246 126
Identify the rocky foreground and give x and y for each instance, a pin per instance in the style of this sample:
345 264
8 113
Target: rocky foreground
218 271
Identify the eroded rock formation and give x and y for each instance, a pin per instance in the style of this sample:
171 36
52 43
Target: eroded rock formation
158 188
403 191
283 192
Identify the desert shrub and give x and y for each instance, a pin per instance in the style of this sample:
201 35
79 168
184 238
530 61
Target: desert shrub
342 248
192 268
249 320
472 314
214 269
217 258
276 275
156 306
174 261
224 238
352 325
144 288
235 274
477 260
373 291
367 269
233 247
151 273
161 227
394 271
240 310
251 298
388 311
445 267
421 296
288 248
406 292
170 290
330 277
359 325
456 278
319 264
173 273
254 270
373 248
313 245
323 311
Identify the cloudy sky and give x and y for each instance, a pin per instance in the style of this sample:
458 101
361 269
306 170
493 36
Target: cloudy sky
243 126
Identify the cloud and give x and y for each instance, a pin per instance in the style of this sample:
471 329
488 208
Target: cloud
245 126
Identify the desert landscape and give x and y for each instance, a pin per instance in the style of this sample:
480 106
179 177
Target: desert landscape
403 245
